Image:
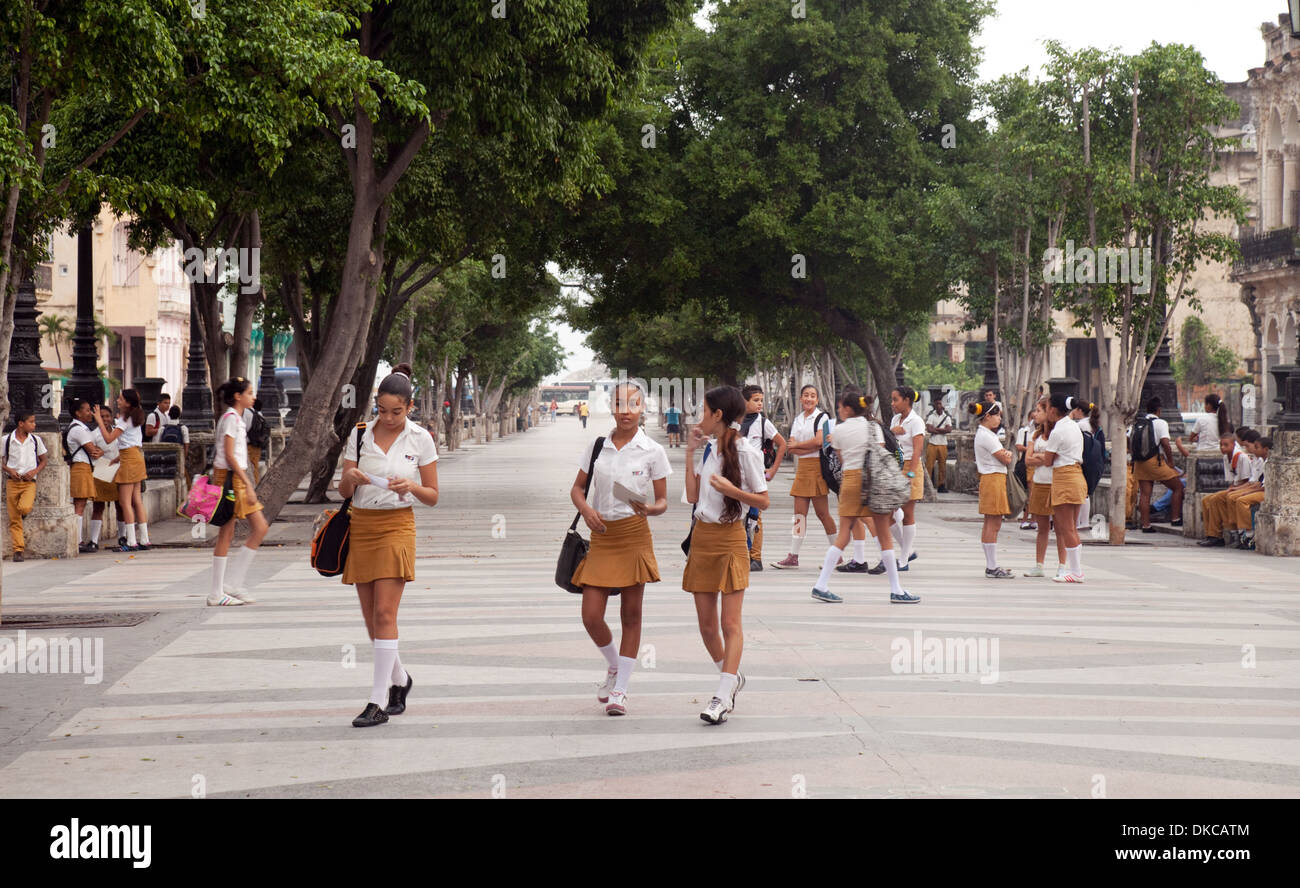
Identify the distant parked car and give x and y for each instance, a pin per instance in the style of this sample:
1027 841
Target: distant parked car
567 408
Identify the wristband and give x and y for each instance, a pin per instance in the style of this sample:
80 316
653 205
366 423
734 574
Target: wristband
911 474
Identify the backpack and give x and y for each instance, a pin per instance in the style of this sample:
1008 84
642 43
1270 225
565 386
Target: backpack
832 468
1142 443
68 455
329 544
259 430
172 434
769 449
1094 460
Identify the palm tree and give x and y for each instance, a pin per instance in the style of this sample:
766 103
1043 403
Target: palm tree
55 329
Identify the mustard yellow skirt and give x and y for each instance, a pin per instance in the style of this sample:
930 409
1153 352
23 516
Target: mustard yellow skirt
918 485
242 509
851 495
381 546
808 479
105 491
622 556
1154 469
719 559
1068 486
82 481
1040 498
130 469
993 494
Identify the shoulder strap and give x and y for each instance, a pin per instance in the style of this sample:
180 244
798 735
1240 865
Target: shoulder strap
361 430
707 446
591 468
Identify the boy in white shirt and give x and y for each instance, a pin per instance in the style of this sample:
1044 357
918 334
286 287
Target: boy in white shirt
24 457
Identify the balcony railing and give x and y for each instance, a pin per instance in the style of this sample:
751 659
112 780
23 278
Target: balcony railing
1269 248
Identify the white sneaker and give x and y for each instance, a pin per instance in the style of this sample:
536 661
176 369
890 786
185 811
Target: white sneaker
716 712
1068 578
740 683
602 692
242 594
617 704
223 600
1035 571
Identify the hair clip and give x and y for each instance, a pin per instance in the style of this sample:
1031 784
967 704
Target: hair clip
736 426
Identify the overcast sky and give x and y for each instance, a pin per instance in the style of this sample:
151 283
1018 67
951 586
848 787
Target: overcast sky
1227 35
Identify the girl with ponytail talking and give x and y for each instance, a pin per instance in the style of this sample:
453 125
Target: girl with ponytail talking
129 428
729 480
393 468
1064 453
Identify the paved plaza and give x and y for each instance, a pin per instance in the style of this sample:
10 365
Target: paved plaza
1172 672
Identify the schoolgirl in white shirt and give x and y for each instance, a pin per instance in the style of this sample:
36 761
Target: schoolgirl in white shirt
991 461
856 432
621 557
909 430
105 491
81 478
230 457
730 479
395 467
128 434
1064 453
760 429
805 443
1039 503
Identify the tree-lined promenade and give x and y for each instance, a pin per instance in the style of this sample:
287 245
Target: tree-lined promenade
777 188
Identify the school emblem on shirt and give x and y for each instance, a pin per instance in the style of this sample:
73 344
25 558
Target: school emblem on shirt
410 457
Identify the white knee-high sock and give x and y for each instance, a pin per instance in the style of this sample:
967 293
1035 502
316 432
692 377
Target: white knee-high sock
891 568
795 542
80 527
1074 559
828 564
130 534
991 556
238 570
218 574
142 529
399 672
908 534
385 654
95 525
625 665
860 551
610 653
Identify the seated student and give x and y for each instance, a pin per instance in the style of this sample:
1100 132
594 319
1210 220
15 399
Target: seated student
1238 521
1217 508
24 457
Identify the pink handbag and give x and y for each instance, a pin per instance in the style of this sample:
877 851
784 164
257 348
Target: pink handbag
203 500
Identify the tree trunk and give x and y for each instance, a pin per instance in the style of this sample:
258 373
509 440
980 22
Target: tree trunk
245 305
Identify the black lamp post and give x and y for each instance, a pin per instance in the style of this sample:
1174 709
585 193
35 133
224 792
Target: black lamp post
84 382
29 385
991 365
268 387
196 397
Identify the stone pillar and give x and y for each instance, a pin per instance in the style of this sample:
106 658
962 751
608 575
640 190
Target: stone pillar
1272 189
50 531
1277 524
1056 357
1290 183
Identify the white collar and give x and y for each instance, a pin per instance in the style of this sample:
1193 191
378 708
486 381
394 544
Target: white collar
638 440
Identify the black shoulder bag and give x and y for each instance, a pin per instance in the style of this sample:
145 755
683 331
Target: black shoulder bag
329 544
575 547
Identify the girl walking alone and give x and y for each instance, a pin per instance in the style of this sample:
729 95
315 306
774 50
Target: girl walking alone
621 559
729 480
129 428
392 469
230 458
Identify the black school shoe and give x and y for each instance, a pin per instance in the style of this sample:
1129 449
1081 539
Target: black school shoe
755 564
85 548
397 697
372 715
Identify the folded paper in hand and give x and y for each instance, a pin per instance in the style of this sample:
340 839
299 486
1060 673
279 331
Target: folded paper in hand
382 484
628 495
105 470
